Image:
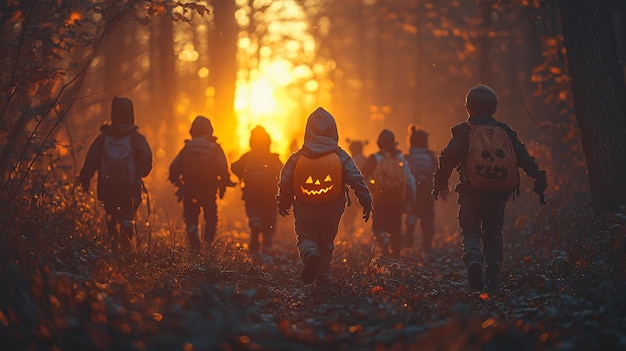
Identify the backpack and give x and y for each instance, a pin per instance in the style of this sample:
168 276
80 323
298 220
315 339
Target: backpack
318 180
260 179
197 164
422 164
117 168
389 181
491 162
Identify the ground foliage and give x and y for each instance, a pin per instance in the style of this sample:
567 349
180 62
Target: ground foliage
63 289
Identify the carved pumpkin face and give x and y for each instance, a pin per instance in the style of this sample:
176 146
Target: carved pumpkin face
315 187
492 165
491 162
318 180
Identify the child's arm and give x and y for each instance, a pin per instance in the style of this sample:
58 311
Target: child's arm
530 167
353 177
285 185
450 157
92 162
143 155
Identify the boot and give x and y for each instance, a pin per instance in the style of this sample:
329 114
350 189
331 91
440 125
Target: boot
311 260
492 277
267 241
114 235
475 276
193 236
126 235
254 239
209 234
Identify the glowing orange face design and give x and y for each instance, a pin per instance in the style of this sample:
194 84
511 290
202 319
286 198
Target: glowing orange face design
317 187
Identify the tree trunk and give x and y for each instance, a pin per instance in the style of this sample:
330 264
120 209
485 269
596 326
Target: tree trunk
223 71
484 65
162 79
599 97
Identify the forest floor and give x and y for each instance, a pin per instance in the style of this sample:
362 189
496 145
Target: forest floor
554 297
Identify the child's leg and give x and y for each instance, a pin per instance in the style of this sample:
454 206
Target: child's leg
379 227
191 211
255 222
470 218
394 227
427 223
269 227
327 247
112 220
210 218
492 239
410 222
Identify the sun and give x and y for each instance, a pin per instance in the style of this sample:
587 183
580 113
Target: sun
275 83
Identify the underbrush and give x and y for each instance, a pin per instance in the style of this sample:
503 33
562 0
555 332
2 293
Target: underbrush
62 287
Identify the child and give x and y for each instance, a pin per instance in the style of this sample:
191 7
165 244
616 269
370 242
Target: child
122 156
314 180
351 212
258 171
393 189
422 162
200 171
488 175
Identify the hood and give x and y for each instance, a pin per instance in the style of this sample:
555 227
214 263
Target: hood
417 137
122 111
320 135
201 127
260 139
118 130
387 141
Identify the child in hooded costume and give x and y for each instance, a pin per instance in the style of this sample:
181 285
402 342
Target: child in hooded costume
313 181
200 171
387 216
258 170
119 189
422 162
481 212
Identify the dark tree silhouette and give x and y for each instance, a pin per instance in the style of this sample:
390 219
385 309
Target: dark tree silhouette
599 97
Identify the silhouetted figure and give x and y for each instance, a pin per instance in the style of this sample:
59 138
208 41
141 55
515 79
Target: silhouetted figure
258 170
487 154
314 181
122 156
351 213
422 162
200 172
393 188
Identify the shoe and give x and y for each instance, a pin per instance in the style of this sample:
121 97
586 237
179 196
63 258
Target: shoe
493 284
492 281
475 277
311 263
126 235
193 234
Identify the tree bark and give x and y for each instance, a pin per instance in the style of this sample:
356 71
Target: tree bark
599 97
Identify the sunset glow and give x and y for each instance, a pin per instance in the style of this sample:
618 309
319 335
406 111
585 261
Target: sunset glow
271 87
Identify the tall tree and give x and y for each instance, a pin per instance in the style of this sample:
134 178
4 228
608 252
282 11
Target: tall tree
223 70
599 97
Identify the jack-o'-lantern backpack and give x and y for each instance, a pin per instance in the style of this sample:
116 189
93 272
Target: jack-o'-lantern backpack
491 162
318 180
